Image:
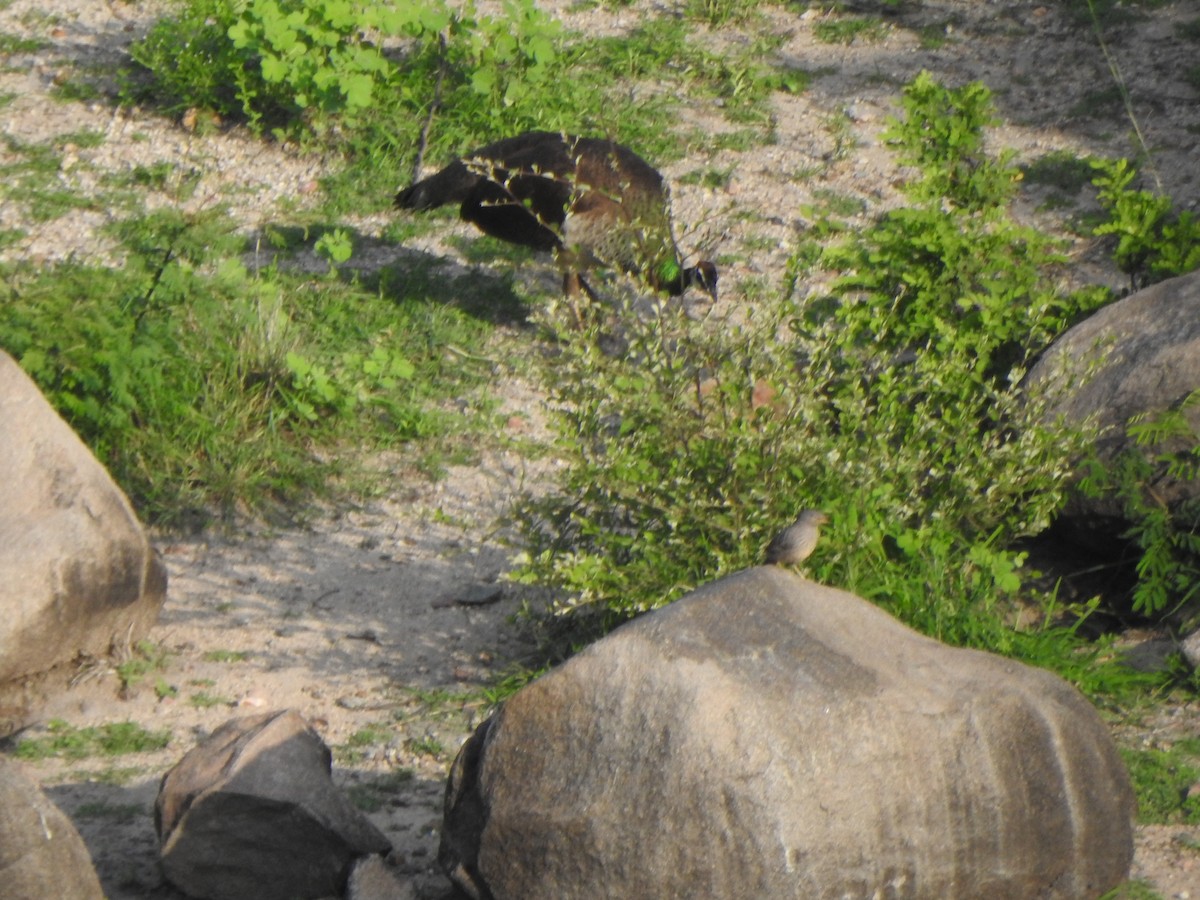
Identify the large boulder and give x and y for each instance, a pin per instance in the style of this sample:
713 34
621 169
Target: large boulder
253 812
41 854
1138 355
77 572
770 737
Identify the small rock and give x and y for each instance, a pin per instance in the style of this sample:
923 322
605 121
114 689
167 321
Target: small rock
480 595
1150 656
1190 647
372 879
253 812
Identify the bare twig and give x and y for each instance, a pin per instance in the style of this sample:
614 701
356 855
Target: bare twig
433 107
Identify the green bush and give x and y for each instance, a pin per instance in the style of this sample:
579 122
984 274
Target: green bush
305 65
1165 445
205 388
383 81
1153 241
953 274
892 404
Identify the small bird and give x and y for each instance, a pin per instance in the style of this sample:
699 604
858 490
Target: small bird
589 201
796 542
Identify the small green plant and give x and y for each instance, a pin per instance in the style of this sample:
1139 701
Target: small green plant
717 13
164 689
372 794
848 30
113 812
147 657
76 91
335 246
713 179
1133 890
837 204
68 742
11 45
1162 778
369 736
354 750
1064 170
86 138
205 700
841 130
1165 444
117 776
1153 240
509 682
426 745
942 134
271 60
31 178
226 656
935 36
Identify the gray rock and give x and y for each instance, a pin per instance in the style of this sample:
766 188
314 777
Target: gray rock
253 812
77 572
41 853
1138 355
770 737
1190 648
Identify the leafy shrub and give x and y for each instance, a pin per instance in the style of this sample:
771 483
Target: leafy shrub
1153 241
1165 445
385 79
204 387
953 274
892 404
296 64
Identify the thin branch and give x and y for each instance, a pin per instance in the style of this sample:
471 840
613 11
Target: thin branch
433 107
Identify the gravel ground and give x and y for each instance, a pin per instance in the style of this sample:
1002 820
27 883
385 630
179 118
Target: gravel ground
355 620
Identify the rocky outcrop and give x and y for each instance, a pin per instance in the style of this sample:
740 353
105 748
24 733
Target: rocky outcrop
77 572
253 812
769 737
1138 355
41 853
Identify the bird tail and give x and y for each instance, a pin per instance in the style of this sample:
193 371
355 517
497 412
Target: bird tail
451 185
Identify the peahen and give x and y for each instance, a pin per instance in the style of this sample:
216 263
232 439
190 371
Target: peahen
589 201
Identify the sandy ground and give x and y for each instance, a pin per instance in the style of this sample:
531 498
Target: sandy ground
381 625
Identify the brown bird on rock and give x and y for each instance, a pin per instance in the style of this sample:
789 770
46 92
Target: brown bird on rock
796 542
589 201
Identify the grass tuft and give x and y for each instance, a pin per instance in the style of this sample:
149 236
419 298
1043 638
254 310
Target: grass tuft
68 742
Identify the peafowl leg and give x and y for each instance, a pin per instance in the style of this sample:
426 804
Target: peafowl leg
573 285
